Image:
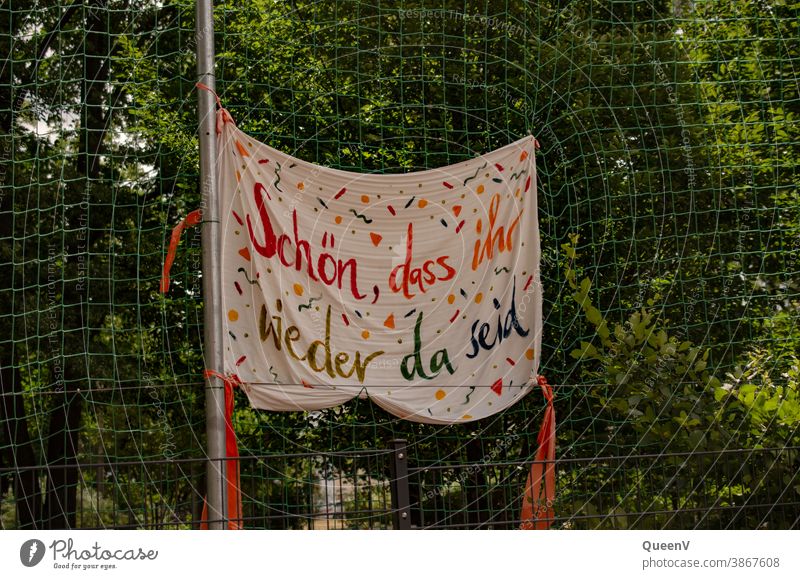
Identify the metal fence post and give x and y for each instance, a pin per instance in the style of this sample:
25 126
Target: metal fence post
212 278
401 508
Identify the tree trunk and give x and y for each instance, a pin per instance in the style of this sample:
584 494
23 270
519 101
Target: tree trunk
100 471
477 503
93 88
65 420
15 429
60 508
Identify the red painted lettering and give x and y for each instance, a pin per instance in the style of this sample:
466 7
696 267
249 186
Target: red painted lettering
405 276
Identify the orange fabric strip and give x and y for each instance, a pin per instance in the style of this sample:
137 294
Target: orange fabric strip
540 488
234 490
223 116
190 220
209 89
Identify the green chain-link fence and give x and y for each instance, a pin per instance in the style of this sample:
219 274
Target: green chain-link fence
670 223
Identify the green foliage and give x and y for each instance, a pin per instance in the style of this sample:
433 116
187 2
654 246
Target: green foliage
769 409
670 139
661 397
659 388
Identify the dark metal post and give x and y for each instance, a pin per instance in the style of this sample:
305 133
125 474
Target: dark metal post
401 508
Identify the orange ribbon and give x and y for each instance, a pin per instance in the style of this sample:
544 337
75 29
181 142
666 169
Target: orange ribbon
537 504
235 520
223 116
211 90
190 220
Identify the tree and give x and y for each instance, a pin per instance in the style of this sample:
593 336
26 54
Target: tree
672 154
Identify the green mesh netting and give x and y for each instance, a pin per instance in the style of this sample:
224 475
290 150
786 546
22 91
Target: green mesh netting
670 219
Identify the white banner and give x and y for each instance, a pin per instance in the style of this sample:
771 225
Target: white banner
419 290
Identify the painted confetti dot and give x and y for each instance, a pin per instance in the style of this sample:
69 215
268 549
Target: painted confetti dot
451 298
365 334
497 387
529 354
242 151
528 283
440 394
479 190
478 298
233 315
298 289
338 220
365 198
422 203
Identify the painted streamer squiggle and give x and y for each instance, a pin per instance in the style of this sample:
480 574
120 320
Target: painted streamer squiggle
421 290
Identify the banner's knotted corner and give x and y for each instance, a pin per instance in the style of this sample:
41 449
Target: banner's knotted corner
234 490
540 489
223 116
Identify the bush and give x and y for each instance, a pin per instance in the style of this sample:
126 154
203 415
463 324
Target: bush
657 395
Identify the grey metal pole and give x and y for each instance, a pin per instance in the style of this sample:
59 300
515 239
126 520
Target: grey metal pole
212 272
